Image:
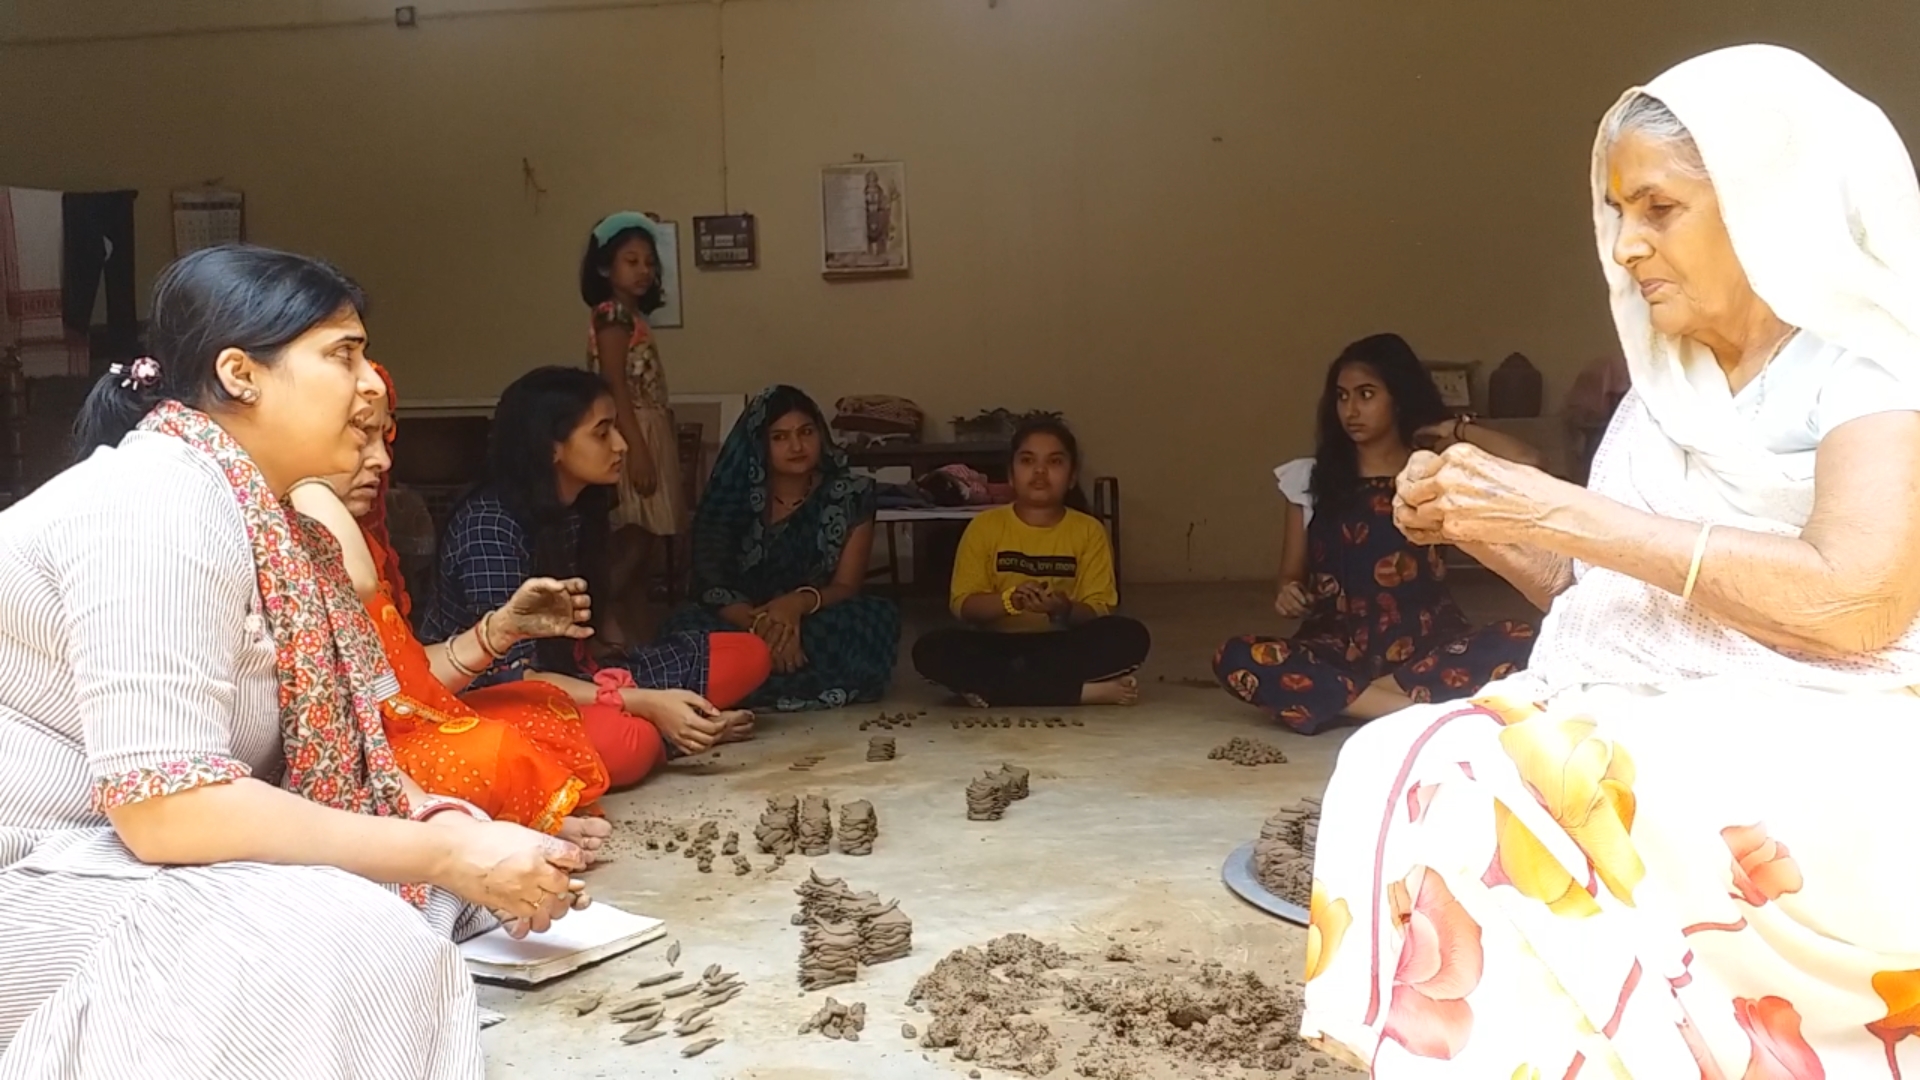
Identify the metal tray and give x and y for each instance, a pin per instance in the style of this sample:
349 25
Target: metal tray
1238 875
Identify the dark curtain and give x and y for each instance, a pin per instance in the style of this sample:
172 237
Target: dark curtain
98 241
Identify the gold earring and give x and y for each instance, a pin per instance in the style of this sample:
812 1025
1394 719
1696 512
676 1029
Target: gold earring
249 396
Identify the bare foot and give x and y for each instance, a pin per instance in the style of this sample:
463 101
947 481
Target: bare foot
589 833
975 701
739 726
1122 691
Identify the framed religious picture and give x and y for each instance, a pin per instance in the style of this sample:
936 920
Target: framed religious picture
1455 382
863 219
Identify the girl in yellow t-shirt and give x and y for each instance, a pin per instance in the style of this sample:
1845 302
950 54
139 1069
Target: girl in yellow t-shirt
1033 582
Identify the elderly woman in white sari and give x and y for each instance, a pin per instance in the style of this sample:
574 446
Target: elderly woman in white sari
1671 848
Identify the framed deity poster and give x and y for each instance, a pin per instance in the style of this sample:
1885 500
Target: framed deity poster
863 219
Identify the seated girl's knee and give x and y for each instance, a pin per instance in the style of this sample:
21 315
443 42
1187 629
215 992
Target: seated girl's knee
749 652
1224 660
929 651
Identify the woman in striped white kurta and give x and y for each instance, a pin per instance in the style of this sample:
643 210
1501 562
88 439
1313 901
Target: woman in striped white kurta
168 913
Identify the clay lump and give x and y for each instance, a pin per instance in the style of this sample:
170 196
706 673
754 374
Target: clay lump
1242 751
837 1021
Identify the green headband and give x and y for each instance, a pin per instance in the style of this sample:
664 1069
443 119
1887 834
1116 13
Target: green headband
615 224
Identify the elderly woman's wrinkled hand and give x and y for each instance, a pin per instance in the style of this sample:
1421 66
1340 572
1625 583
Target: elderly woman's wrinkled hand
1462 496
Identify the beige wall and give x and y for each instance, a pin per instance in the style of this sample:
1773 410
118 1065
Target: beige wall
1162 216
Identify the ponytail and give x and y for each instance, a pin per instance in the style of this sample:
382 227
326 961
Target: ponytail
114 406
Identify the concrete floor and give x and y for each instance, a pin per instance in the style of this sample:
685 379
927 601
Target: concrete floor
1123 837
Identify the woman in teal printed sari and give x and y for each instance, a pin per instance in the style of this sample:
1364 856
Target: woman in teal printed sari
780 548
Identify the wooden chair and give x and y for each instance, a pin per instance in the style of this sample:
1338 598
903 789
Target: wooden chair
1106 510
690 445
13 423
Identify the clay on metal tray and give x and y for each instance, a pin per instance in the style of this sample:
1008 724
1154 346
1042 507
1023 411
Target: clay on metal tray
1283 856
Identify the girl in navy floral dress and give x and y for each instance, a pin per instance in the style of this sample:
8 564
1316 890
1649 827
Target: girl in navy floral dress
1378 628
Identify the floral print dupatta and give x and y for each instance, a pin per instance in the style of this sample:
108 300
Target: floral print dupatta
333 672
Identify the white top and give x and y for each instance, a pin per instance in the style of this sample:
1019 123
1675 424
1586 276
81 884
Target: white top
1814 386
131 637
1295 481
1612 629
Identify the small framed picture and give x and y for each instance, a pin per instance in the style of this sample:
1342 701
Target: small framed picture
863 219
1455 382
725 242
667 239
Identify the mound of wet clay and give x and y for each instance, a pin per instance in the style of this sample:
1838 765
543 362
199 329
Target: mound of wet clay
1022 1005
1242 751
1212 1016
980 999
1283 856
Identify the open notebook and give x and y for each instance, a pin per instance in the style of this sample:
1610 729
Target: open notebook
582 938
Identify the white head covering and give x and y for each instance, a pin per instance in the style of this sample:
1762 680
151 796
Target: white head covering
1820 199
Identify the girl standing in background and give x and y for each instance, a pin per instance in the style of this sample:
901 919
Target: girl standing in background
620 281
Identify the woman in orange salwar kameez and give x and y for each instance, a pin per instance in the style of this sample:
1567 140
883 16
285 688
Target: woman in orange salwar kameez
518 751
